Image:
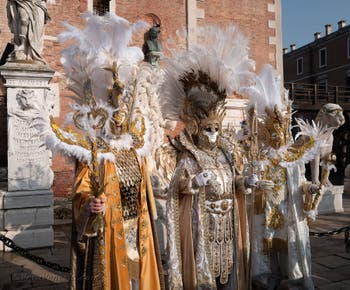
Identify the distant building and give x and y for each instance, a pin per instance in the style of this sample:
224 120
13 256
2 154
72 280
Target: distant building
325 61
319 73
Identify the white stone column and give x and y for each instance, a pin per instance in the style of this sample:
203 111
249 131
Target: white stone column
193 13
235 112
26 200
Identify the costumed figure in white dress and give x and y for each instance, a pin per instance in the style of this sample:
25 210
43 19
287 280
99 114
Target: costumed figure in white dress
280 233
206 213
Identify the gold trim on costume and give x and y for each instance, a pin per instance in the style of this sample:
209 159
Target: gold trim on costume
275 219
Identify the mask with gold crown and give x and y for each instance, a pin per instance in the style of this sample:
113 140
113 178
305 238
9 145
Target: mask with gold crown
274 129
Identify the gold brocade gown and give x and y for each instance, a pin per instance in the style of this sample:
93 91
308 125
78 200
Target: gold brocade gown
127 254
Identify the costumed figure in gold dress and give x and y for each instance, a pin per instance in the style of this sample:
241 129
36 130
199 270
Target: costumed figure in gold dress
280 233
206 218
114 242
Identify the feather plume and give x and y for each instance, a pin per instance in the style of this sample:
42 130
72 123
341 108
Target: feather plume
266 91
104 43
220 54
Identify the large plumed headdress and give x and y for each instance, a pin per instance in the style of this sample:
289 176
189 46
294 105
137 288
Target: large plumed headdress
199 78
114 101
272 103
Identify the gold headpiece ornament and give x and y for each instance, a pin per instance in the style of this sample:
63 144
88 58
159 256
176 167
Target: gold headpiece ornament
127 117
275 126
204 100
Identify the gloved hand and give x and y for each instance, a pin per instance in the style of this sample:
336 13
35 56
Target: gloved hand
314 188
202 178
97 205
252 180
311 214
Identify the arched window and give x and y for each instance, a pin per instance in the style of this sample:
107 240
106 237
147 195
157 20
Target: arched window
101 7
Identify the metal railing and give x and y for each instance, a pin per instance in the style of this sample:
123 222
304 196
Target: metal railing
313 96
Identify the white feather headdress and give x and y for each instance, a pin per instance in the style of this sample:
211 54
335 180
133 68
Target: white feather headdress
206 72
267 91
274 117
103 69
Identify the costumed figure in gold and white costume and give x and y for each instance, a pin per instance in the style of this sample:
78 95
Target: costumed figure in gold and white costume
280 233
206 218
114 243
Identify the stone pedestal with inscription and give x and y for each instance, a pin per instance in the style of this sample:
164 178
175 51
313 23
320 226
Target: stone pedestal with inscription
26 199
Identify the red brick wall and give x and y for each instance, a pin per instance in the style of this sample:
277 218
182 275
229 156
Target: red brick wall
250 16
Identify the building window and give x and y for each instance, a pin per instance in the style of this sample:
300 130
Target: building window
347 78
323 84
300 65
101 7
322 57
348 48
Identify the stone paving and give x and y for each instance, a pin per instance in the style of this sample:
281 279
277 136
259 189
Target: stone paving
330 262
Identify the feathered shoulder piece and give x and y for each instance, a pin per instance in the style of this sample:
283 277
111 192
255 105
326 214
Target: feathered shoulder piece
200 77
112 109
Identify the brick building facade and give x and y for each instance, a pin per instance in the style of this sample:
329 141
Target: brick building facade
259 20
325 61
318 73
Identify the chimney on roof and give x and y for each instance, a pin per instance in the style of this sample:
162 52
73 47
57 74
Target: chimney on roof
285 50
328 29
317 35
292 47
341 24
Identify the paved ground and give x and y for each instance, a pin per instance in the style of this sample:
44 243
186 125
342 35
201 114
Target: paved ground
331 264
330 261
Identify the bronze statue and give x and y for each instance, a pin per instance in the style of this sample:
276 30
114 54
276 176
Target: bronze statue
152 48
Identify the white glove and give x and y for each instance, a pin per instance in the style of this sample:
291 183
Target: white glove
252 180
311 214
314 188
265 184
203 178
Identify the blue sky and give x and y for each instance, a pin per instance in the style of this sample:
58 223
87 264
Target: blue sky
302 18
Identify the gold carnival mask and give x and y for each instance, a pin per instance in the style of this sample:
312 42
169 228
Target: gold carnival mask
209 129
125 118
204 107
274 129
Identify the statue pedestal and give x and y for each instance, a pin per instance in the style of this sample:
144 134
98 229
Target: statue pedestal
331 200
26 199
